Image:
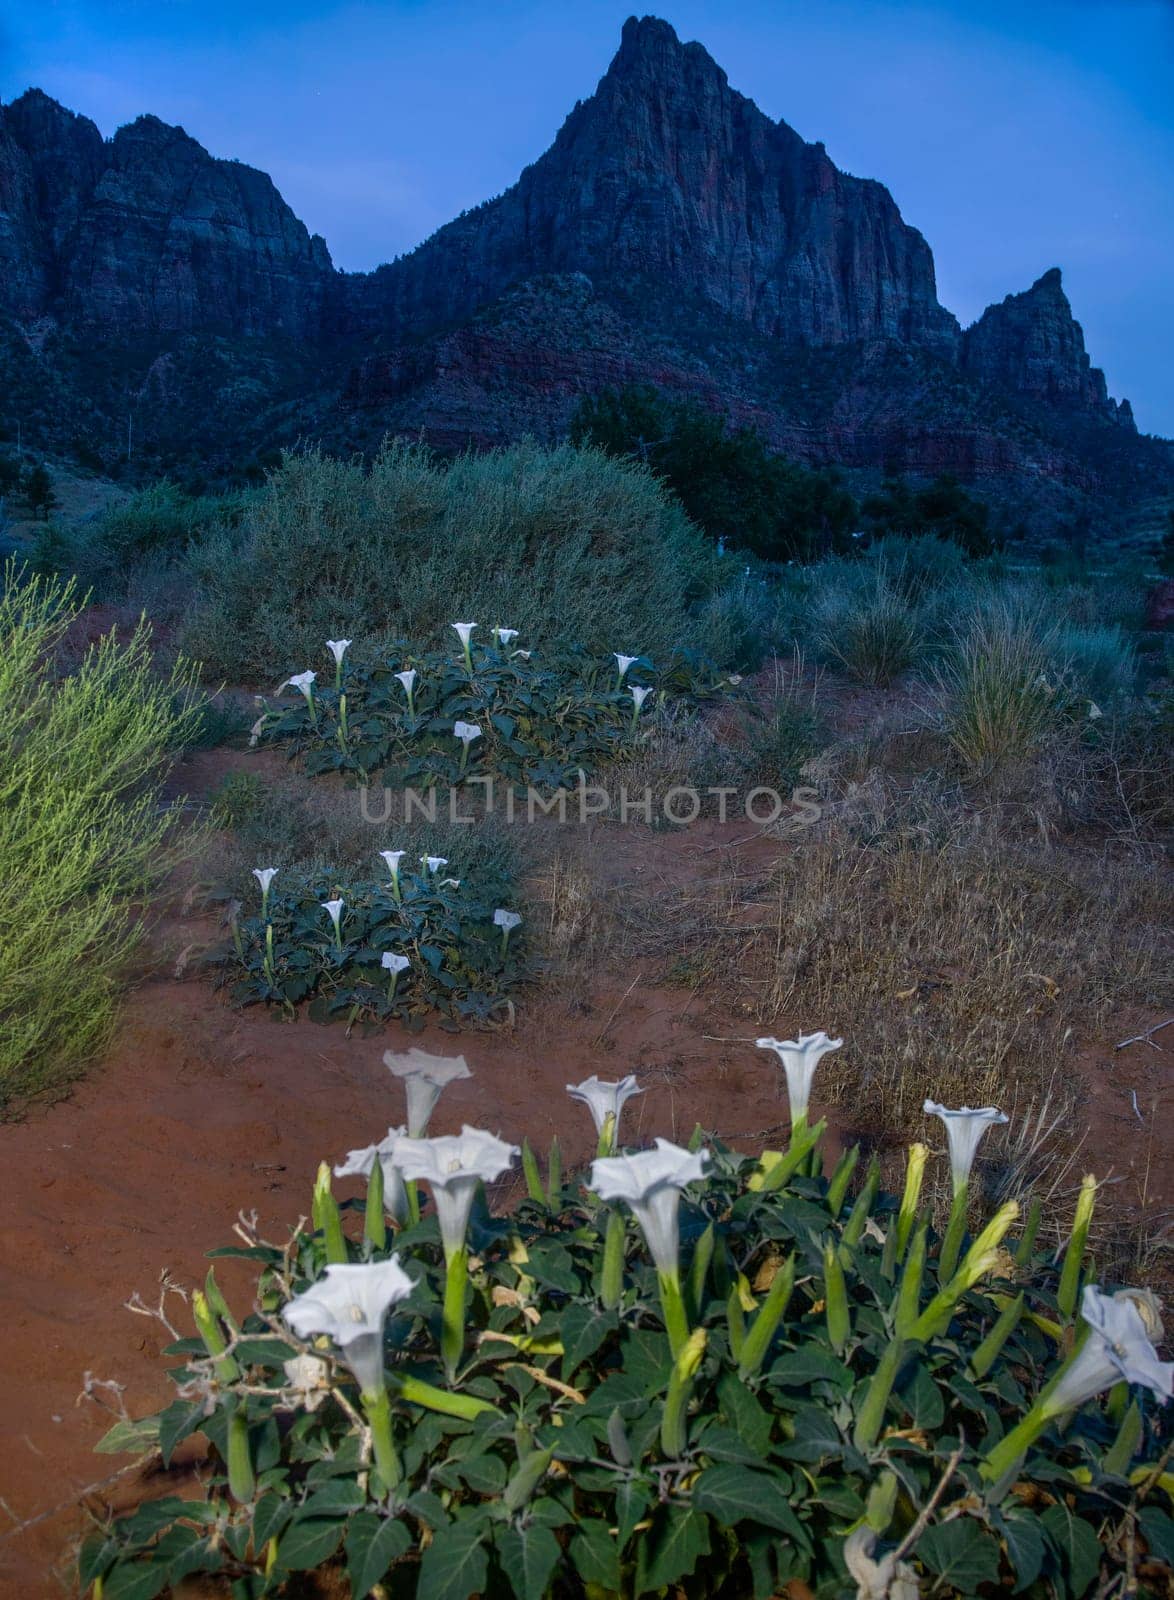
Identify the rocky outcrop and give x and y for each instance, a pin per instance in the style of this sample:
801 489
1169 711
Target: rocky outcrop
146 234
668 177
673 234
1031 344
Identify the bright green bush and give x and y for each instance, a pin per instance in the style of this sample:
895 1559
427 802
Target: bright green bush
82 833
778 1377
559 543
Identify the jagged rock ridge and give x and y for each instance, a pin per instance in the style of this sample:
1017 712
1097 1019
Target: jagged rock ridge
672 233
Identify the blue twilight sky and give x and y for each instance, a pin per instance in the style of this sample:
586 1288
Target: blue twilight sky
1016 134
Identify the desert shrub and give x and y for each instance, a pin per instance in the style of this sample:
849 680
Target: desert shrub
452 716
416 941
943 510
82 833
559 543
862 624
137 542
776 1378
738 623
1097 657
786 731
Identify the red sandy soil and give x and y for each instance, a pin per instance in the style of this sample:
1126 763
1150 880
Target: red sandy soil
200 1110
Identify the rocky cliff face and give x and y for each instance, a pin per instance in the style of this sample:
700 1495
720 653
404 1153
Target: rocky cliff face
1031 344
146 234
668 177
672 234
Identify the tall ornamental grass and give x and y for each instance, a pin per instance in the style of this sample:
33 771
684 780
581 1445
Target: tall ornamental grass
562 544
83 838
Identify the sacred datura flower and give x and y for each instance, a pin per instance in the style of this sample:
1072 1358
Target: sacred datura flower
650 1183
452 1166
349 1304
605 1100
964 1128
800 1057
424 1077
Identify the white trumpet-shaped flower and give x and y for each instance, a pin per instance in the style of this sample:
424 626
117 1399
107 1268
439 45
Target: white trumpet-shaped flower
338 648
1117 1347
302 681
333 909
424 1077
650 1183
464 631
505 635
264 876
349 1304
521 655
623 663
506 919
466 732
639 694
434 863
800 1057
359 1163
393 859
964 1128
392 961
452 1166
605 1101
408 679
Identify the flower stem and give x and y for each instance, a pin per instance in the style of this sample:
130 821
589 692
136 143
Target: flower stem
452 1336
378 1412
988 1351
676 1319
955 1233
911 1199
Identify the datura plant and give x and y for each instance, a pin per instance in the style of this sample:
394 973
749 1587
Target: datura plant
688 1372
485 709
403 944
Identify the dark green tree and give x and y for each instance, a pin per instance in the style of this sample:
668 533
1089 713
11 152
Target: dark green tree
730 483
37 488
942 508
1166 546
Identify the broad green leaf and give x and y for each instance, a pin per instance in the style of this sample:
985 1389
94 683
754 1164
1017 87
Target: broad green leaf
454 1565
529 1556
306 1545
595 1554
633 1497
1158 1530
810 1364
140 1582
671 1549
743 1412
963 1554
1027 1548
181 1418
734 1494
372 1544
1078 1545
129 1438
583 1329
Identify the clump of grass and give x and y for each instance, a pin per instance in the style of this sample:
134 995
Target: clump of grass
1001 688
83 837
867 628
788 731
966 962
